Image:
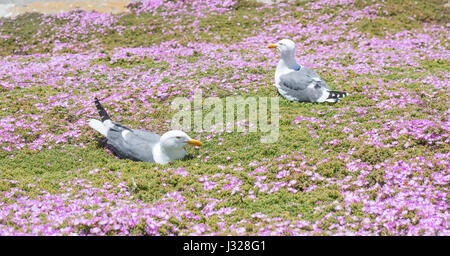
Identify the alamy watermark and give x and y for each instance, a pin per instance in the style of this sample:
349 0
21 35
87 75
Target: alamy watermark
251 114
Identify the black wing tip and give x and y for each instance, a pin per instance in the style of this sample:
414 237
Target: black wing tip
101 111
337 95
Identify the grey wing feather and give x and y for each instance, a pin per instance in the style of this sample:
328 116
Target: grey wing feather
296 85
310 72
295 80
313 74
137 144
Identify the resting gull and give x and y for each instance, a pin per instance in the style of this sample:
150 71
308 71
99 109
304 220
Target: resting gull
141 145
298 83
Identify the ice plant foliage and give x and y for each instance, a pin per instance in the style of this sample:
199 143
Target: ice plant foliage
377 163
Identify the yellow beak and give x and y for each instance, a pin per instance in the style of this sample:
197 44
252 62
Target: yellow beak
272 46
195 142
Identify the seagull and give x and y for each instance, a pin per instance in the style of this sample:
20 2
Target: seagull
141 145
297 83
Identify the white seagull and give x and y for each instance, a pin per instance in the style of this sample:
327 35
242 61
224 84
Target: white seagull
141 145
297 83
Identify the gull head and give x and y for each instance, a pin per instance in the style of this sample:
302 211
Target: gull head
285 46
176 140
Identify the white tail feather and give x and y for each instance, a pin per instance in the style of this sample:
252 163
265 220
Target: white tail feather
98 126
324 96
108 124
332 100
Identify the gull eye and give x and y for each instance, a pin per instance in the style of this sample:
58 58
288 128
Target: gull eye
178 137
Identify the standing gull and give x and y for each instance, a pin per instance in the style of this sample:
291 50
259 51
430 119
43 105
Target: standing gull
141 145
297 83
